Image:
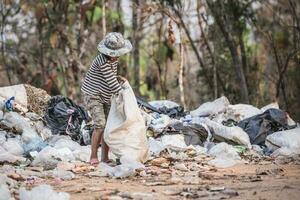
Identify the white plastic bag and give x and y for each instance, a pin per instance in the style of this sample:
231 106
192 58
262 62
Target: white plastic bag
127 168
163 103
223 133
125 130
209 108
240 112
289 139
44 192
13 146
225 155
4 192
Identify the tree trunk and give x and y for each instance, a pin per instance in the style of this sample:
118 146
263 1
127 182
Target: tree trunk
208 79
136 41
103 18
233 48
181 70
3 44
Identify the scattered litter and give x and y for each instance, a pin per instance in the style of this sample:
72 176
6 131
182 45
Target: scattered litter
44 192
127 168
180 166
63 174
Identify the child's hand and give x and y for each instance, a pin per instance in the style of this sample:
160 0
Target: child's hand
122 79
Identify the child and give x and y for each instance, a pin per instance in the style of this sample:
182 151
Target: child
101 82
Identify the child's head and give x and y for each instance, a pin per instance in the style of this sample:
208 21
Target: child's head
114 45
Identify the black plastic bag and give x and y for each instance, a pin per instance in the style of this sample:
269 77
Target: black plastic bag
260 126
175 112
63 116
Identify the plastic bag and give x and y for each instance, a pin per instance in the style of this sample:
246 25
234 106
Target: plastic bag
260 126
234 135
125 131
127 168
240 112
63 116
225 155
163 103
18 122
289 139
4 192
44 192
6 156
209 108
49 157
175 142
35 145
155 146
13 146
18 91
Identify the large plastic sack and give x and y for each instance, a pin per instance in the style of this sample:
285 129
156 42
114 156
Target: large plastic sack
209 108
234 135
240 112
269 106
289 139
63 116
260 126
125 130
44 192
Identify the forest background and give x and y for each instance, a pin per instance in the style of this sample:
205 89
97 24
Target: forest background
188 51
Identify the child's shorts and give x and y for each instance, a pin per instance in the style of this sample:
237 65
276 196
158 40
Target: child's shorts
97 110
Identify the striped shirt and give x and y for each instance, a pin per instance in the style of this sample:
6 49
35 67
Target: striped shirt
101 79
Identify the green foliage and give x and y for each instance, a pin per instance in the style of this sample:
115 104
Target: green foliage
94 15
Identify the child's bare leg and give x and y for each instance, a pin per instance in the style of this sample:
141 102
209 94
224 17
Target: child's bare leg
96 139
104 150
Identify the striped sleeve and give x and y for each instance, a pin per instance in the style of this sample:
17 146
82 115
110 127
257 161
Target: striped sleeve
110 78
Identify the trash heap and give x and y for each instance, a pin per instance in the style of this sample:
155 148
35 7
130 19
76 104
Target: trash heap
221 130
43 137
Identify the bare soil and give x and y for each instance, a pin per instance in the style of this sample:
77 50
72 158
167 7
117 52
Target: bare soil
265 180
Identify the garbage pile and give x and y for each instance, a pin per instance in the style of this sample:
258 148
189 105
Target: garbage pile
49 137
221 130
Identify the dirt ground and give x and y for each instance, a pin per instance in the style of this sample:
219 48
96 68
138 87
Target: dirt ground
263 180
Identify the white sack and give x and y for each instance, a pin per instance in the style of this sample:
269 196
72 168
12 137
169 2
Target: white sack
289 139
224 133
125 130
209 108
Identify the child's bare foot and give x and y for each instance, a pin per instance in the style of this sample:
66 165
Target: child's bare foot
94 161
